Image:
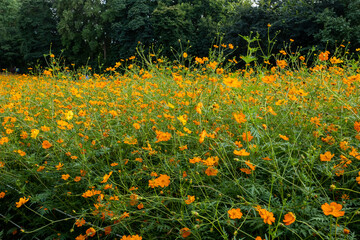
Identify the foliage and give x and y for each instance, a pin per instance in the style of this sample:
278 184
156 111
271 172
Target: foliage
99 33
37 29
9 33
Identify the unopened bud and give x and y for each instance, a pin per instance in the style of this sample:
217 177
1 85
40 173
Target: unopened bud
195 213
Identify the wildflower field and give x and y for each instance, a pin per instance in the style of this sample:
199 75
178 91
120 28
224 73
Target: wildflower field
191 149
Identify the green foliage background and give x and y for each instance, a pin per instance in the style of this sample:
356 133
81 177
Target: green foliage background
100 32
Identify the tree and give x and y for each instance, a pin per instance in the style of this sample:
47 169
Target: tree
37 25
130 23
81 28
171 26
9 33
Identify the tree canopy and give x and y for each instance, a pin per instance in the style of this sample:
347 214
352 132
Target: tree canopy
104 31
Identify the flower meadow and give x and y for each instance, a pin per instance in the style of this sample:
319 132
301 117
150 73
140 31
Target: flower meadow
189 149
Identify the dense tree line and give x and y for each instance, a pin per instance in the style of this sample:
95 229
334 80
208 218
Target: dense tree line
104 31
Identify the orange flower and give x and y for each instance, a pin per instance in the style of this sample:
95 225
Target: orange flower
202 136
46 144
210 171
80 222
40 168
24 135
4 140
326 156
90 232
289 218
107 230
131 237
242 152
21 202
268 79
284 137
251 166
163 181
77 178
20 152
281 63
65 176
235 213
198 107
324 56
185 232
344 145
162 136
45 128
124 215
267 216
2 194
106 177
140 206
246 170
80 237
358 178
232 82
246 136
357 126
333 209
239 117
59 166
190 199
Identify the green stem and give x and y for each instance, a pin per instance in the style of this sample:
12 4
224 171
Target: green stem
311 228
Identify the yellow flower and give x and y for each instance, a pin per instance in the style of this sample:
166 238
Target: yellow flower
21 202
69 115
34 133
183 119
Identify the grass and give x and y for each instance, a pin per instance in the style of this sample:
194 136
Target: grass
191 149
